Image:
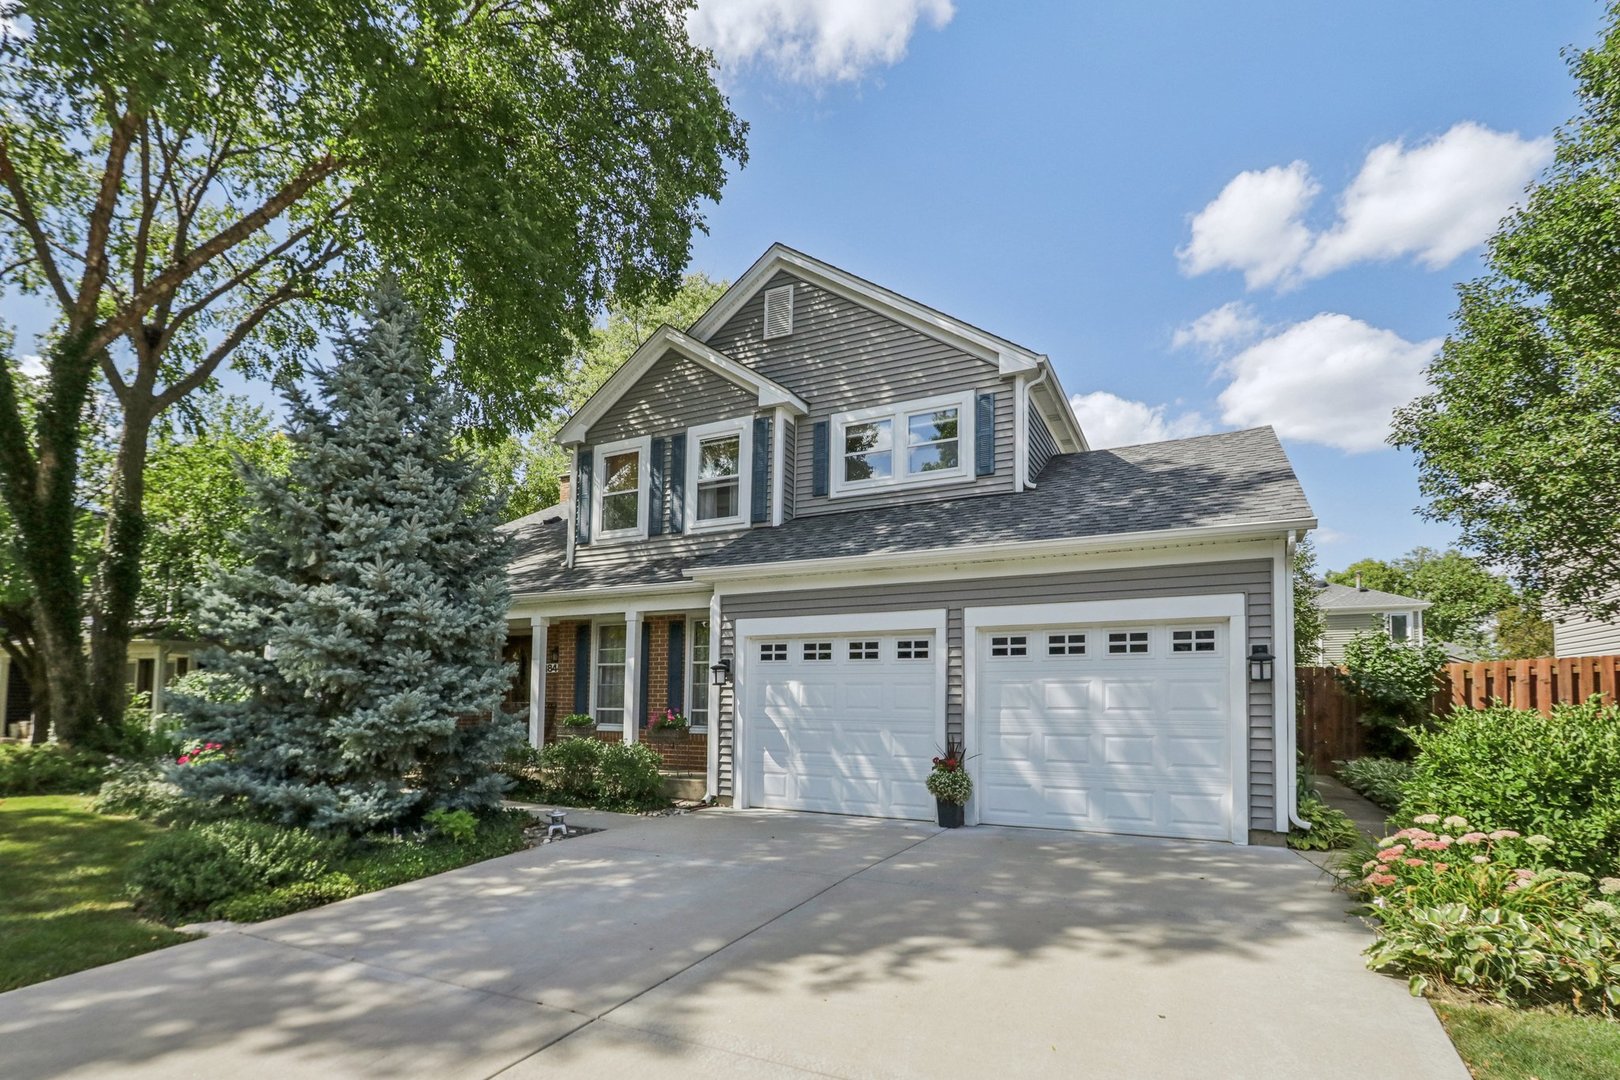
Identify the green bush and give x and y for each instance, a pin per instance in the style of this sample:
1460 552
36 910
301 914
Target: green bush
568 769
1395 682
1380 779
186 872
1331 829
1505 768
1484 913
457 826
139 789
627 776
49 769
379 862
286 899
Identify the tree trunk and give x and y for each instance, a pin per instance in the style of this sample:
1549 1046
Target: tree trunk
20 644
118 575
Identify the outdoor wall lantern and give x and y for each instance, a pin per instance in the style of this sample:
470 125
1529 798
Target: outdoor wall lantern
721 671
1260 663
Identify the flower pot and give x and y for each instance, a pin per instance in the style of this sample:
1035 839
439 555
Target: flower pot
665 735
950 815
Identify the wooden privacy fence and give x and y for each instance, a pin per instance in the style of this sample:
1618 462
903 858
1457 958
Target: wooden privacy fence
1329 717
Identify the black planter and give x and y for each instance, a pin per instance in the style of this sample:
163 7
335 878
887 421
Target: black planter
950 815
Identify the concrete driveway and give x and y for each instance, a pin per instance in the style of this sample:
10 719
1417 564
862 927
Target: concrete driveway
762 944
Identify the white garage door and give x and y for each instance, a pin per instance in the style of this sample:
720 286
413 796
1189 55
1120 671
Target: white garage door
1110 728
842 723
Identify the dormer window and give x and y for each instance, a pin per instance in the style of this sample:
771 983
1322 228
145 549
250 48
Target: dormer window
935 444
719 486
621 496
779 311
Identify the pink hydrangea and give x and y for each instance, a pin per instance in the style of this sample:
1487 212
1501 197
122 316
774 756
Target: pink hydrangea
1472 838
1504 834
1426 819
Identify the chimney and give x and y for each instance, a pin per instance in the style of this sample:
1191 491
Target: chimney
565 491
1359 586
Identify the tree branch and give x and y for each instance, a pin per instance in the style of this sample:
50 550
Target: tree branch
101 216
26 217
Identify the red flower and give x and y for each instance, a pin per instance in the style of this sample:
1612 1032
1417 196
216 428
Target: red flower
183 759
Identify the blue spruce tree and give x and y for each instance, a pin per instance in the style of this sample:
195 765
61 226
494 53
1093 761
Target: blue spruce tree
368 619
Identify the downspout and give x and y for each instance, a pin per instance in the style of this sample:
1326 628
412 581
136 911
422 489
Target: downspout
1290 675
1029 481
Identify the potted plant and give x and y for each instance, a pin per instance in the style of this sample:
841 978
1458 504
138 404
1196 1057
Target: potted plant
667 727
951 785
578 725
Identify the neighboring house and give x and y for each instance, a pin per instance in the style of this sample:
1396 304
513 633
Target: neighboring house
1583 635
1348 610
151 666
837 528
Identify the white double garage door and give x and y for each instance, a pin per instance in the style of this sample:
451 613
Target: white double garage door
1076 716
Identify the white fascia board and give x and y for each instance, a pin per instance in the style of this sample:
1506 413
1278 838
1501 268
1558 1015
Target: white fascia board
1377 609
1008 357
1016 549
679 596
666 338
1060 409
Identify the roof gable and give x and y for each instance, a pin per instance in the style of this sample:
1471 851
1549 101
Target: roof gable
1348 598
664 340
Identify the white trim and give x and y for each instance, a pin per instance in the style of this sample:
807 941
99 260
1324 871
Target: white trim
898 413
1285 734
633 629
715 712
768 393
1020 432
611 600
1067 433
642 446
1012 549
1008 356
884 622
765 329
538 627
778 464
687 678
573 503
1229 606
595 661
743 428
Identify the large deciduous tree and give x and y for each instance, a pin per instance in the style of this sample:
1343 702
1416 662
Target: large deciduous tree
1466 595
1516 441
193 183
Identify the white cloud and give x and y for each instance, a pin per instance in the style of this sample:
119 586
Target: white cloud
1254 225
1331 380
1110 420
32 365
1432 201
1221 329
813 41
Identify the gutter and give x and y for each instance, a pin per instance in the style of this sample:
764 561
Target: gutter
1029 389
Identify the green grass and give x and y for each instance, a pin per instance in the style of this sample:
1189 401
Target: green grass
1512 1044
62 902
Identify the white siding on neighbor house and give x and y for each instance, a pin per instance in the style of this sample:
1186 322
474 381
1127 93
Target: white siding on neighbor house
1582 635
1251 577
842 356
1337 630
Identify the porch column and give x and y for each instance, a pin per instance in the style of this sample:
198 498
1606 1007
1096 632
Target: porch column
537 679
632 675
159 677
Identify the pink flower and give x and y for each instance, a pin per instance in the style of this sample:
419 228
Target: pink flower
1504 834
1413 862
1381 879
1482 859
1369 864
1390 854
1524 875
1471 838
1441 867
183 759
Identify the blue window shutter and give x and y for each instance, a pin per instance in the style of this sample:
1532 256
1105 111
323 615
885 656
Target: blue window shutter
655 489
677 666
760 496
677 483
646 670
582 668
818 458
582 498
984 435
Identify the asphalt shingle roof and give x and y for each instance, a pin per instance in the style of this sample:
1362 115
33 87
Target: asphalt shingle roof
1350 598
1235 478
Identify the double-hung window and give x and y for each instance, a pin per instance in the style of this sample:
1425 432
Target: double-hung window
697 677
1399 626
621 489
610 650
916 442
718 484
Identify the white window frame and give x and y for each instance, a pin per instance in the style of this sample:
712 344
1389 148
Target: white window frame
693 674
643 448
596 664
898 415
1152 649
743 428
1217 649
1411 637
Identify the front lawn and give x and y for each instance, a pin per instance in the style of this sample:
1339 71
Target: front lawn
1511 1044
62 901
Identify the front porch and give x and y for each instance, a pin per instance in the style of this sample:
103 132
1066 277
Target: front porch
626 670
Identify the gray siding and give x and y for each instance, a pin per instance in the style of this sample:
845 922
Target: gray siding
1252 577
790 469
843 356
1337 630
672 395
1041 444
617 553
1582 635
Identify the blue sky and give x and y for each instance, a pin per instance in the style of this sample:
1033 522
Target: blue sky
1036 167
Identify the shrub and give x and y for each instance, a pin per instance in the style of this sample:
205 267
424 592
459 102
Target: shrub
49 769
627 776
1380 779
568 769
1331 829
186 872
1514 769
1395 682
457 826
1482 912
139 789
286 899
578 724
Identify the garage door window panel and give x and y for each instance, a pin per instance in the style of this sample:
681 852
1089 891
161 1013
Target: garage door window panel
1066 644
912 649
1129 642
817 651
1009 645
772 652
864 650
1194 641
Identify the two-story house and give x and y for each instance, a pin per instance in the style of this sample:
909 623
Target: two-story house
835 528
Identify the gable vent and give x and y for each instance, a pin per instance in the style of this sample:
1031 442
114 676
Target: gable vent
779 311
